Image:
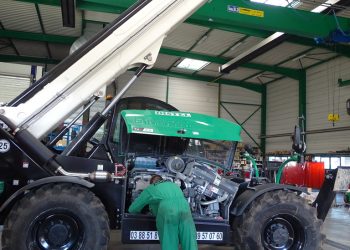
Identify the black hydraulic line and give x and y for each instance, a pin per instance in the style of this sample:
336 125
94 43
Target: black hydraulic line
33 147
84 136
99 118
61 133
83 50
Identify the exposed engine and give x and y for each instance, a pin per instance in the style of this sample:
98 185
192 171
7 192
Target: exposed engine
208 193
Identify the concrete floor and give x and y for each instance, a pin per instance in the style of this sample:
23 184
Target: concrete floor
336 227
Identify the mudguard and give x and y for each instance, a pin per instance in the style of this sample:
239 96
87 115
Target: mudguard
44 181
251 194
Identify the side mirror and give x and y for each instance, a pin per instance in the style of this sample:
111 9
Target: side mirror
348 106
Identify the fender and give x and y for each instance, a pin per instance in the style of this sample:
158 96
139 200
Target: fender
249 195
44 181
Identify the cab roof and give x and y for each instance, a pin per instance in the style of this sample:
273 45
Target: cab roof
180 124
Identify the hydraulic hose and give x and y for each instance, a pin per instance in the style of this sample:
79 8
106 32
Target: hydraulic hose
253 161
294 157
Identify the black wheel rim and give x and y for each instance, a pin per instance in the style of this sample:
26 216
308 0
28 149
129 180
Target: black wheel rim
283 232
56 230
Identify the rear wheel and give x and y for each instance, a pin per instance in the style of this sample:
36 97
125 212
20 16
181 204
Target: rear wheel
278 220
57 217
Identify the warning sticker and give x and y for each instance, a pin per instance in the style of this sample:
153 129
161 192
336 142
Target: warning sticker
245 11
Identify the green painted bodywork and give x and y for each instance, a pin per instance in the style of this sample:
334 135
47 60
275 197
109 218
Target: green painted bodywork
180 124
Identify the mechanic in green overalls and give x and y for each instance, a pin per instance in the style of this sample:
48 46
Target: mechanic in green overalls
173 216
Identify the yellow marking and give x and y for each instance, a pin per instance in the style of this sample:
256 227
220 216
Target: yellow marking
251 12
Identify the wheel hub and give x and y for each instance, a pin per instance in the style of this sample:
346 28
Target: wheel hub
58 232
279 234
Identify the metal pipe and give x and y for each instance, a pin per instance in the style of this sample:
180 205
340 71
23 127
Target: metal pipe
59 136
219 199
123 91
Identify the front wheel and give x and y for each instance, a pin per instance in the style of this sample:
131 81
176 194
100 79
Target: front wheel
57 217
278 220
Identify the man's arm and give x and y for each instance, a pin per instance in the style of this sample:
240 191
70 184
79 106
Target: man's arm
140 202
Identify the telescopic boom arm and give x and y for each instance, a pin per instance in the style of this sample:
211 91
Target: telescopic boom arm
133 39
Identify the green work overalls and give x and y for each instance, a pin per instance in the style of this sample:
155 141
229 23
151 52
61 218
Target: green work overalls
173 215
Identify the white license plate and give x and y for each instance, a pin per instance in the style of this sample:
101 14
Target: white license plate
217 236
144 235
153 235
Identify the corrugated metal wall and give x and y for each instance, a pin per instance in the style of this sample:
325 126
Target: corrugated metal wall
12 87
14 79
242 112
322 89
194 96
282 113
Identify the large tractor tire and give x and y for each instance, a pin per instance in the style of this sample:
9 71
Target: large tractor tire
278 220
57 217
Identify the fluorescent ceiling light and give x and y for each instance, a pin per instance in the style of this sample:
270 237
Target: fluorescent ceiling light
324 6
192 64
282 3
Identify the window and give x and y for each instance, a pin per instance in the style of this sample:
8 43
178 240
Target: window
345 161
326 162
335 162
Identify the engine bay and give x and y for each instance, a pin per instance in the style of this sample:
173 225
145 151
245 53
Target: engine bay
208 193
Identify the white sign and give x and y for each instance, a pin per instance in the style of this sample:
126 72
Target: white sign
153 235
4 146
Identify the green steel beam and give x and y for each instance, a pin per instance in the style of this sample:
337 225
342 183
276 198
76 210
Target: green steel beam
302 100
322 62
343 83
251 115
213 59
215 15
220 60
288 20
243 128
247 85
263 119
11 34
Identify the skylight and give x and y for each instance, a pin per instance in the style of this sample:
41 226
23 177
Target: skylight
192 64
282 3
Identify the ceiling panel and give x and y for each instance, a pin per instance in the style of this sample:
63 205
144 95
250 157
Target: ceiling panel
19 16
243 46
212 67
216 42
210 73
240 74
99 16
315 56
179 70
30 48
264 77
185 36
280 53
165 61
6 47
